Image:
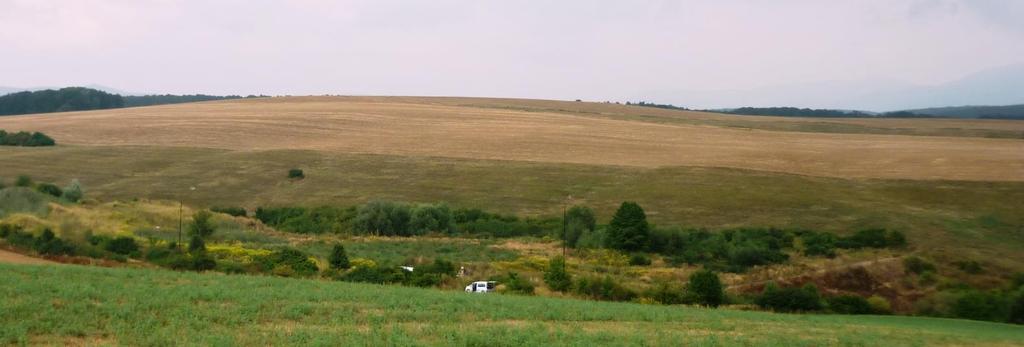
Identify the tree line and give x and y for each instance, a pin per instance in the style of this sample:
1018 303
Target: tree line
82 99
25 139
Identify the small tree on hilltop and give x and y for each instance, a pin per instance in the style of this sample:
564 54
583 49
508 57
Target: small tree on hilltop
707 288
201 225
556 277
339 259
23 181
628 230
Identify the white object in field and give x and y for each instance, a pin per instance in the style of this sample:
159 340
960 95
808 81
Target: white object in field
407 268
480 287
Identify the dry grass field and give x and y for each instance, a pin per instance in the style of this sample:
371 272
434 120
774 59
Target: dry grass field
559 132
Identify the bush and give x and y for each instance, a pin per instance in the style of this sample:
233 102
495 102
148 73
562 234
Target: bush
296 173
196 245
50 189
628 230
789 299
302 220
979 305
556 277
373 274
299 262
849 304
25 139
339 259
201 225
579 220
1016 315
23 181
969 266
879 305
121 245
602 289
819 244
873 238
231 211
706 288
666 293
517 284
383 218
916 265
639 259
426 218
73 192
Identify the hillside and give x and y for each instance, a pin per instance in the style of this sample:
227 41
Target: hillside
88 305
544 131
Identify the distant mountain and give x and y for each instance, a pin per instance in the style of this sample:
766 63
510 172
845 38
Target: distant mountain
998 112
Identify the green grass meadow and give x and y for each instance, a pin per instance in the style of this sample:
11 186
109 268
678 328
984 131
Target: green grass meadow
64 304
970 219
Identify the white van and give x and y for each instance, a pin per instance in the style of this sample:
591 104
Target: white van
480 287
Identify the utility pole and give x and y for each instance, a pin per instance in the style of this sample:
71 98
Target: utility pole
180 206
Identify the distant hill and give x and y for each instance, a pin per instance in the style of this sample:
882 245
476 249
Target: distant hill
795 112
993 112
61 100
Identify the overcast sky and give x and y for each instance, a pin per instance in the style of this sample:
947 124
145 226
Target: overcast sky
594 50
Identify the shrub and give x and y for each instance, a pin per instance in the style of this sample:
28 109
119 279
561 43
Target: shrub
639 259
48 244
23 181
383 218
706 288
517 284
879 305
202 262
917 265
426 218
819 244
969 266
231 211
26 139
604 288
873 238
979 305
556 277
790 299
849 304
121 245
1016 315
628 229
296 173
298 262
302 220
578 221
50 189
373 274
339 259
666 293
201 225
196 245
73 192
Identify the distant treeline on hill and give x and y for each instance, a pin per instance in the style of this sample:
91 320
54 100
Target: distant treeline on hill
65 99
150 100
983 112
82 99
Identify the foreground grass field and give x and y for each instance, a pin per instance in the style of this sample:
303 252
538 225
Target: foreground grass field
61 304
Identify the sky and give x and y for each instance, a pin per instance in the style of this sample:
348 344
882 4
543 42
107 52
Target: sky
701 54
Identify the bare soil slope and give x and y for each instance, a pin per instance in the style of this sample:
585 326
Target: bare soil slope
536 130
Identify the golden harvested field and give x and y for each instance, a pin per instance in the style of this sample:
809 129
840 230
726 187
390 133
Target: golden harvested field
553 132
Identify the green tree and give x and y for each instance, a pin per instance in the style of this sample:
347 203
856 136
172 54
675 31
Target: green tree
201 225
196 245
73 192
706 288
628 229
579 220
556 277
339 259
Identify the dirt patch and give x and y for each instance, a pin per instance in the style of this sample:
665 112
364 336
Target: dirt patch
15 258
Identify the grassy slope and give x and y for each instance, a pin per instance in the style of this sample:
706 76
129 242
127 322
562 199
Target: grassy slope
88 305
963 219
